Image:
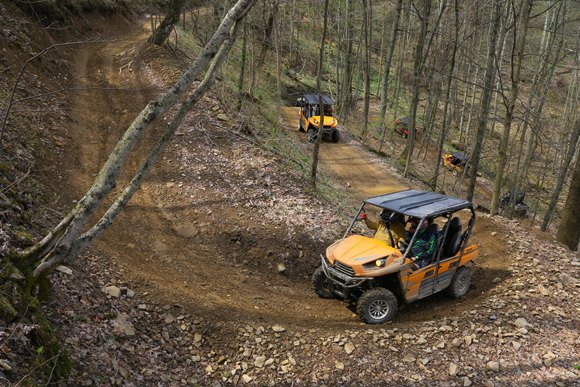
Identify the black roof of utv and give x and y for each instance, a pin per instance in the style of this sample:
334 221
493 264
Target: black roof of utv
419 204
313 99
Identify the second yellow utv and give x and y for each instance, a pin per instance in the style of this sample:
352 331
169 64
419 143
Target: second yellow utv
310 117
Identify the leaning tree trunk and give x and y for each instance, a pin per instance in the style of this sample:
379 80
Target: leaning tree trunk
485 101
160 34
69 238
569 232
574 136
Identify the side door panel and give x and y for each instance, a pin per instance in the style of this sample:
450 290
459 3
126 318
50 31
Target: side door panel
418 283
447 269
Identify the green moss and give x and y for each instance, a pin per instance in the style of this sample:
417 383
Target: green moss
52 355
24 238
7 311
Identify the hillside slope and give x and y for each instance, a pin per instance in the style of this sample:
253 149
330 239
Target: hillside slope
195 260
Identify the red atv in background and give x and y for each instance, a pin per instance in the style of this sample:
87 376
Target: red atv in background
402 126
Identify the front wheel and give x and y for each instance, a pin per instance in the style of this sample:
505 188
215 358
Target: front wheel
300 127
377 305
322 284
312 134
335 136
460 283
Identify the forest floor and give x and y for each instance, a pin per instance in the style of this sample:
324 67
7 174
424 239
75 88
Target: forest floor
186 286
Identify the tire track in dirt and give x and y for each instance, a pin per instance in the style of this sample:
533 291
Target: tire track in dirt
154 243
149 242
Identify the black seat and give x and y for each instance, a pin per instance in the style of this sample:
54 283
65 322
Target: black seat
453 239
434 229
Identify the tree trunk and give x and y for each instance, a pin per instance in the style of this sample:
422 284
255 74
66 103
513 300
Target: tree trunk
243 66
485 101
569 232
574 136
387 68
510 105
162 32
541 86
68 238
276 14
316 149
367 64
418 69
345 100
442 133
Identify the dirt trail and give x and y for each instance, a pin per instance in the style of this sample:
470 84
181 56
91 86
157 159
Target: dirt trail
346 163
167 245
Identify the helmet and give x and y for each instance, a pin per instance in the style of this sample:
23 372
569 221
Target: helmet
385 215
415 223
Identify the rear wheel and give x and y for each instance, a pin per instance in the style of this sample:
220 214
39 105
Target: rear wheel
460 283
335 136
322 284
377 305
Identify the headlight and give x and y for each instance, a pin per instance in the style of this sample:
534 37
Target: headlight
376 264
316 122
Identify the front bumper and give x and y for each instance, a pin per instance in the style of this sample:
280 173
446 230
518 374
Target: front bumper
341 280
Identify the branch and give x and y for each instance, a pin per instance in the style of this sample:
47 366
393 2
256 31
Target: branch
107 177
106 220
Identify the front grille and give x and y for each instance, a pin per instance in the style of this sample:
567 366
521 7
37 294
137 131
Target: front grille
344 269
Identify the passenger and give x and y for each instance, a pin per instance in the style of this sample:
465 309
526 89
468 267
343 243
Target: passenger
425 244
382 225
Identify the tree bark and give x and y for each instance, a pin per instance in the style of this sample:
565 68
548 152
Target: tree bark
569 232
367 64
64 242
316 148
485 101
574 136
162 32
510 105
387 68
442 133
243 66
418 69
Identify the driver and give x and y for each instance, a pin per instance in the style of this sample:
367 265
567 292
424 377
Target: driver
382 225
424 246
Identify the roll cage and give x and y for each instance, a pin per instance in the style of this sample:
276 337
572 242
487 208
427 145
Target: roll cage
421 205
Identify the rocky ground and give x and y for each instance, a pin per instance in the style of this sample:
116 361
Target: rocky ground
205 278
525 332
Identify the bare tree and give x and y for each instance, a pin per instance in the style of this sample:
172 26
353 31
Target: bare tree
316 149
572 147
510 103
367 24
387 68
569 232
160 33
442 133
417 72
485 100
69 237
